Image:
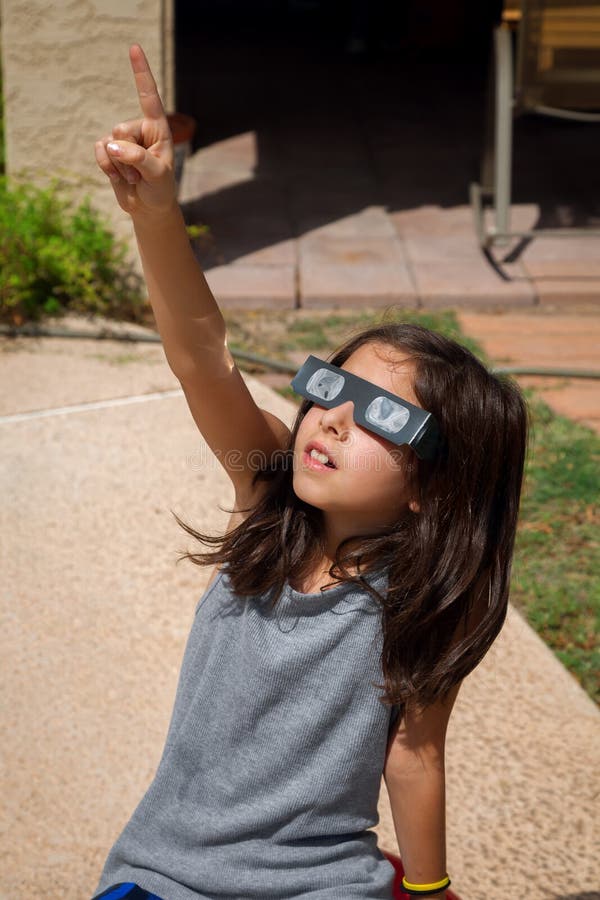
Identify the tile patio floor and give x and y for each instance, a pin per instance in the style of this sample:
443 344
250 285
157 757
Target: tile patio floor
336 182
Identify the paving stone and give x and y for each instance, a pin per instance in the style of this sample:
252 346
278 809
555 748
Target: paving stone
572 278
330 202
414 190
199 182
579 402
566 291
240 151
536 338
276 254
449 234
429 169
583 250
353 271
316 157
433 221
561 267
549 340
324 170
245 200
261 227
332 250
244 250
469 282
197 179
372 222
253 286
261 238
425 249
436 221
336 141
322 180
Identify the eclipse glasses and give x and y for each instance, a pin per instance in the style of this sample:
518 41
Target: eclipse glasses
376 409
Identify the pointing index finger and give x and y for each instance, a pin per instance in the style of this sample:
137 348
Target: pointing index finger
149 98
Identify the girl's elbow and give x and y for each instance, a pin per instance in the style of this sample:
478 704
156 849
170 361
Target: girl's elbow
402 767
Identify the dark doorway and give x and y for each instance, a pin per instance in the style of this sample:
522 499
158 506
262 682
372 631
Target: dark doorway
239 65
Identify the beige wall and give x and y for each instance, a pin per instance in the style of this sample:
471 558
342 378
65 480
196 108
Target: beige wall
67 80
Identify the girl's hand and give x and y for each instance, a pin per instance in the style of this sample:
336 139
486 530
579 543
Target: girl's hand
138 155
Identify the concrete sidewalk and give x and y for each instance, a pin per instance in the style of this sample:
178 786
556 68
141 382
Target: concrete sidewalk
96 615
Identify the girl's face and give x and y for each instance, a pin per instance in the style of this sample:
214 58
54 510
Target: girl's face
368 489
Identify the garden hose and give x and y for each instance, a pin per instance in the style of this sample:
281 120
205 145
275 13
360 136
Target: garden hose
546 370
102 333
33 330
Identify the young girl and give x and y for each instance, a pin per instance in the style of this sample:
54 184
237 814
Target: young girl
369 549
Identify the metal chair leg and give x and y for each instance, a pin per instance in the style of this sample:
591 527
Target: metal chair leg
486 172
503 133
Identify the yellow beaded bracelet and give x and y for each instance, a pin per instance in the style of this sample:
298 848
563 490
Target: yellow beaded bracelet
424 889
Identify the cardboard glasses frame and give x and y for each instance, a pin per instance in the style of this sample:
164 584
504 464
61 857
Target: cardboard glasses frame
376 409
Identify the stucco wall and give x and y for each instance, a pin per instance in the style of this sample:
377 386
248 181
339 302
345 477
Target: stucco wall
67 80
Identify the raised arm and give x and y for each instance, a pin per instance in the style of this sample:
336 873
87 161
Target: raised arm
138 158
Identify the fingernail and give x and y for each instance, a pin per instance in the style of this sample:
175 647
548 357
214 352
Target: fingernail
114 148
114 176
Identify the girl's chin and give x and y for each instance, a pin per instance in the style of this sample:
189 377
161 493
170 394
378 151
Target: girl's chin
315 496
308 492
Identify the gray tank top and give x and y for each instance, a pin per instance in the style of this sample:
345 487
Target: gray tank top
272 765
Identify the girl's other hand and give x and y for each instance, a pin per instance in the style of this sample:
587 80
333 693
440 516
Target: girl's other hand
138 155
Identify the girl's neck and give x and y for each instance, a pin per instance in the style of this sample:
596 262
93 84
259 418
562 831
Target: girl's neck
317 576
313 585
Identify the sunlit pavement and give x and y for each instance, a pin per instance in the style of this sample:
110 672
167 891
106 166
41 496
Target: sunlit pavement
96 614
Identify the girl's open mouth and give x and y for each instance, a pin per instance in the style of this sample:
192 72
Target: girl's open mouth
311 462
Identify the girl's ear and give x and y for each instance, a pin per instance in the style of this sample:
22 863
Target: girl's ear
415 506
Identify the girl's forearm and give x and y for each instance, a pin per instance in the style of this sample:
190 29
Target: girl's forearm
418 804
187 315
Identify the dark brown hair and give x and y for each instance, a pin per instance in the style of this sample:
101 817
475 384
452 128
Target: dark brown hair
449 564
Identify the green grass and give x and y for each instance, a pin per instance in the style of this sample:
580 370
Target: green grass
556 570
325 332
556 567
289 331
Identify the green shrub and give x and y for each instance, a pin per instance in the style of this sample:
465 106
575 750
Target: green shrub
57 257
